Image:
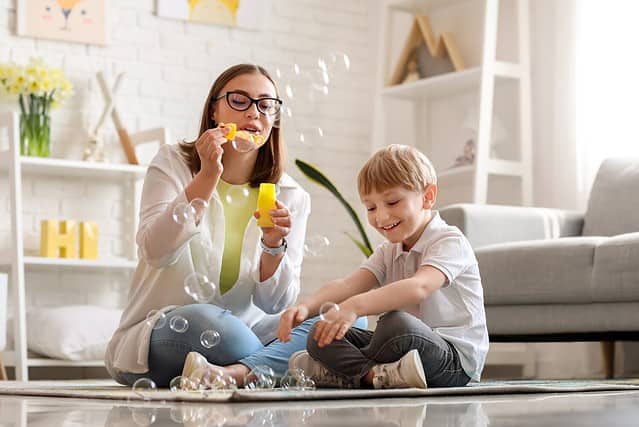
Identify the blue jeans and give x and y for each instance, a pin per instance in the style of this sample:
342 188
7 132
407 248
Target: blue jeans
238 344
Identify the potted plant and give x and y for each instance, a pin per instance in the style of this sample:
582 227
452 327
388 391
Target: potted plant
318 177
38 89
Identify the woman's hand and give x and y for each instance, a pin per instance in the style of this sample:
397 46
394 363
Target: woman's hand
334 327
291 317
281 217
209 148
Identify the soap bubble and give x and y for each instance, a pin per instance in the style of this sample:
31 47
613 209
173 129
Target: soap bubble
182 383
231 384
327 310
210 338
292 379
183 213
243 145
179 324
316 245
310 136
144 417
307 384
199 287
159 322
286 111
237 194
198 208
142 387
215 379
335 63
181 414
317 82
210 378
260 378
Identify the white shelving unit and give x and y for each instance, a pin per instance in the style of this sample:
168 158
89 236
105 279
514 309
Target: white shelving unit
486 73
410 113
14 262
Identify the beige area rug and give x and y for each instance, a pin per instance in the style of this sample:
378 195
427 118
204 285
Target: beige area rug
109 390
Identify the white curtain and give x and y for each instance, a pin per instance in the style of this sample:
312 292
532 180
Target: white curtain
607 84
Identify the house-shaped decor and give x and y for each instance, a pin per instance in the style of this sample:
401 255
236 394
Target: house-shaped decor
433 55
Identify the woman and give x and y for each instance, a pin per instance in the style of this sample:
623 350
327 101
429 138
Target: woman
257 269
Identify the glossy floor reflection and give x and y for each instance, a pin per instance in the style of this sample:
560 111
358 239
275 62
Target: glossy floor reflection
576 409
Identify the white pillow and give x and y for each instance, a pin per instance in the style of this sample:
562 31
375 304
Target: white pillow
79 332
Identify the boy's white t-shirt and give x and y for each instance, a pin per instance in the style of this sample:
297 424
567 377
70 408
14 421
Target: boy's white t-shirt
455 311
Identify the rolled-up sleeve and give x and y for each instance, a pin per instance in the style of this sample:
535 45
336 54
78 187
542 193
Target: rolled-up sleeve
160 238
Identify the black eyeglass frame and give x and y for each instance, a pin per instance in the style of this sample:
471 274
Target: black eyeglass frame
255 101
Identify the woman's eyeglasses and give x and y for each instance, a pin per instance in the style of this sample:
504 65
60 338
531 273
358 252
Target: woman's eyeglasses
241 102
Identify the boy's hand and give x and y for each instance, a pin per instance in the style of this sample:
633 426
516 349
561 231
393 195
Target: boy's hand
291 317
334 327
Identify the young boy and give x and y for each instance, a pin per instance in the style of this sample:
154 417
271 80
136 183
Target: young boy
424 281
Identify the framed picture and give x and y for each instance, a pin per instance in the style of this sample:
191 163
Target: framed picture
247 14
81 21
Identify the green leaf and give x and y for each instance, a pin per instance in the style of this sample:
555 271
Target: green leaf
362 247
318 177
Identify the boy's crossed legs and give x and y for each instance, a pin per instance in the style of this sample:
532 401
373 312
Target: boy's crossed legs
356 359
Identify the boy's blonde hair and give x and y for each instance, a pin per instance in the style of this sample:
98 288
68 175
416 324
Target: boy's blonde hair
396 165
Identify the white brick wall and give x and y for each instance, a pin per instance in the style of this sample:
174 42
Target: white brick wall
170 66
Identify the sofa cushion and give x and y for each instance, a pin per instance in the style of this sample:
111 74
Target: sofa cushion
538 271
562 318
616 269
612 207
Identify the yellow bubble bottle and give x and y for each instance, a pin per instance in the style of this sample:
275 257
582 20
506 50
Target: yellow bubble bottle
265 202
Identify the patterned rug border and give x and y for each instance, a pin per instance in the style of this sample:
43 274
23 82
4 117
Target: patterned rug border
110 391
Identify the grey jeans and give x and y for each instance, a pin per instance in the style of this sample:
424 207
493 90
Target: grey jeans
396 334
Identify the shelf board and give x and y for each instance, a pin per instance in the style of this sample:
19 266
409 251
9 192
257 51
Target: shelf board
66 167
450 83
455 172
75 263
441 85
10 360
42 263
494 167
414 6
43 361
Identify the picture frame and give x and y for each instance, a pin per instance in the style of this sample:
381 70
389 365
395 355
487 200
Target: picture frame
246 14
79 21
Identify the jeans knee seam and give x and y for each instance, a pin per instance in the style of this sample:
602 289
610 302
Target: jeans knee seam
397 338
175 344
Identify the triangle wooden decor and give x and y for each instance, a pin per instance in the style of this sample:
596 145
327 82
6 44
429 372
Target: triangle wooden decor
442 47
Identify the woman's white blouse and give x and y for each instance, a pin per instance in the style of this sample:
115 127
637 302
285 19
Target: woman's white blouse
169 252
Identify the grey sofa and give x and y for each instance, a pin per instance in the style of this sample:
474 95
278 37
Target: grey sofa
553 275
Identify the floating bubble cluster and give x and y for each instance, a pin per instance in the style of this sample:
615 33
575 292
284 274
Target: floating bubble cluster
260 378
199 287
182 383
304 87
296 379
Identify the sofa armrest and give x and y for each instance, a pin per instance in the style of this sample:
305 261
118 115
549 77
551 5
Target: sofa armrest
490 224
